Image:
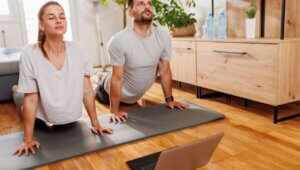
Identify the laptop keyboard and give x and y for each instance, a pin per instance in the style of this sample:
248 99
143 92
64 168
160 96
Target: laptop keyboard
149 166
144 163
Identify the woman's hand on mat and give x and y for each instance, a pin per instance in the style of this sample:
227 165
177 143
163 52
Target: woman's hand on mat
174 104
101 130
27 146
118 117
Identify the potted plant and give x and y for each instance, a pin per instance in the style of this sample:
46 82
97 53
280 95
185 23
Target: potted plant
251 21
174 17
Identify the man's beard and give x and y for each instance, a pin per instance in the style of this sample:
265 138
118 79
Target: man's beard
144 20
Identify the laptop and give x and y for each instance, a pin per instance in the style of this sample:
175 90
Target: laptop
185 157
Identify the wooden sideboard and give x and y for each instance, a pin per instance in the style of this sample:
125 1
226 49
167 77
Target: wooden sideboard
183 63
262 70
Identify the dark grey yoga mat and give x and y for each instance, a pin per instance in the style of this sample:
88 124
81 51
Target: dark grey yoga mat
66 141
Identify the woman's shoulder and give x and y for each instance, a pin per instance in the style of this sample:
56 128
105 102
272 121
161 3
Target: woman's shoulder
31 47
29 54
29 50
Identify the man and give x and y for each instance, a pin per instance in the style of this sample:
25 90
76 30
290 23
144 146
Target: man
136 55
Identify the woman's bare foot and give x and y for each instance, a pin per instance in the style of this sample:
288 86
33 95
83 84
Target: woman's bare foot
96 79
99 76
18 99
141 102
14 89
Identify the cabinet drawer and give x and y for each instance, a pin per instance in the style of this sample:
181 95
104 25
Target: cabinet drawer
183 46
183 63
241 69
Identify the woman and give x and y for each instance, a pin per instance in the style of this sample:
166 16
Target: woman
55 79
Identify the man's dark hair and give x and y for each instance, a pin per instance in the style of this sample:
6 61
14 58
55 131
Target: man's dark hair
130 3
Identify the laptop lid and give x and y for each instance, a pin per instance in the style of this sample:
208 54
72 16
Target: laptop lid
189 156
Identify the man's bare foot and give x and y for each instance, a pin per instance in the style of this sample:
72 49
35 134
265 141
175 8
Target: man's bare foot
141 102
49 125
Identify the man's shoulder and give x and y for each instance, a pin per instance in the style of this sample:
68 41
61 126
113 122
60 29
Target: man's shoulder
121 35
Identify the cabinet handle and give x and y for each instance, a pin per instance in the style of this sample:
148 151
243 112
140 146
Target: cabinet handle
182 49
4 40
230 52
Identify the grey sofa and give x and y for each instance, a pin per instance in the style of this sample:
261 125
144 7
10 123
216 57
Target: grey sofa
9 71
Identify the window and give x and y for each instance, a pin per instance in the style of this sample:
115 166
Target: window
8 10
4 8
31 9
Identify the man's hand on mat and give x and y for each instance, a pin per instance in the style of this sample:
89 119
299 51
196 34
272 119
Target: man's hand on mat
118 117
101 130
174 104
27 146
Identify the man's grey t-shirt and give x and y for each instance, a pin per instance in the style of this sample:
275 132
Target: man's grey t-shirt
140 57
60 91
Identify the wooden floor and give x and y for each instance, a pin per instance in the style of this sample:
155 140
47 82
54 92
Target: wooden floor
251 140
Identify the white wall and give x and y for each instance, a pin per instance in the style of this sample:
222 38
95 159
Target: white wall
83 20
203 7
111 23
12 29
11 34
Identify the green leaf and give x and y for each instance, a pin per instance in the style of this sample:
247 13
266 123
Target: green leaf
104 2
251 10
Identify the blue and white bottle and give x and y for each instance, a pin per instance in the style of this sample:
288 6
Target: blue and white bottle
222 24
210 26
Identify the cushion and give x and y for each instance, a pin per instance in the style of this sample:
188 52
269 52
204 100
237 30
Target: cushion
9 60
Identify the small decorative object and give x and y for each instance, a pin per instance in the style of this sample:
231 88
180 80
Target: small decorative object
198 29
251 21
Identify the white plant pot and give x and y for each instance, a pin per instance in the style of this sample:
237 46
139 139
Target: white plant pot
250 27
